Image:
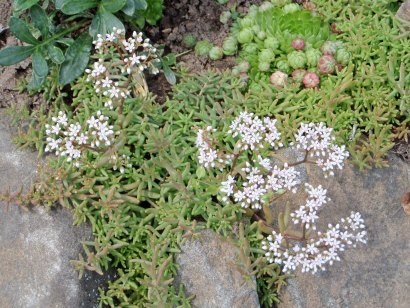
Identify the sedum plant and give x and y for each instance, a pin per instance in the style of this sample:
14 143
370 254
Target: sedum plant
253 180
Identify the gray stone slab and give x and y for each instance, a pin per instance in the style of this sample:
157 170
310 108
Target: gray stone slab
208 270
372 275
37 245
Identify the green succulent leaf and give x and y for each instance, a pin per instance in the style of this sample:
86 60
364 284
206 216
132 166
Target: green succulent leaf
20 29
20 5
40 19
76 59
169 74
71 7
14 54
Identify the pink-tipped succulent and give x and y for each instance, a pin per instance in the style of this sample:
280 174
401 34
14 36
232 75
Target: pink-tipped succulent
326 64
298 44
278 79
329 48
297 75
311 80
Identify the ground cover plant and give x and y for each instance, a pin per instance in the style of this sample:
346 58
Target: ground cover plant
50 31
149 176
320 73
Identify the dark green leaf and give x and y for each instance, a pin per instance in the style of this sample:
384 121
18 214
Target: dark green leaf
113 6
20 29
103 22
56 55
71 7
169 59
15 54
40 19
65 41
39 64
59 4
140 4
76 59
20 5
129 8
169 74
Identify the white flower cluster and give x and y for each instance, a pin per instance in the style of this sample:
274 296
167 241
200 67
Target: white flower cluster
314 253
254 132
209 157
120 162
136 55
317 139
307 213
70 140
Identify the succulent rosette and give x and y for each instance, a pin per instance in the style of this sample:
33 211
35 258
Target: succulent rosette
271 43
311 80
266 55
298 44
312 56
326 64
216 53
330 47
264 66
283 66
230 46
278 79
297 75
297 59
245 36
342 56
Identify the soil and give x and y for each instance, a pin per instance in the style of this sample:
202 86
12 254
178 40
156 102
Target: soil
201 19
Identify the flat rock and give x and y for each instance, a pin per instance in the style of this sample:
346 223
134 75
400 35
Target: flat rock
37 245
373 275
208 270
404 11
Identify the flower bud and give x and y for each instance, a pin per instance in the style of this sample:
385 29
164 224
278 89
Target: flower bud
342 56
278 79
202 48
216 53
245 36
312 56
271 43
311 80
230 46
326 64
297 59
283 66
298 44
264 66
297 75
266 55
290 8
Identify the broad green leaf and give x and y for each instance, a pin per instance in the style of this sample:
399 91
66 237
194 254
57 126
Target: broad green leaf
20 29
71 7
103 22
113 6
56 55
76 59
40 19
129 8
169 74
169 59
140 4
20 5
39 64
40 70
15 54
59 4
